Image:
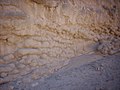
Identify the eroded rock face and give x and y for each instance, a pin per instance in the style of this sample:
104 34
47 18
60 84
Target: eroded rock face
39 36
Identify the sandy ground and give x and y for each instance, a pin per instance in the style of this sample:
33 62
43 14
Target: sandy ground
86 72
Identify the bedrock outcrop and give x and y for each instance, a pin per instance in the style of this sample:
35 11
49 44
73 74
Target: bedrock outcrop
38 37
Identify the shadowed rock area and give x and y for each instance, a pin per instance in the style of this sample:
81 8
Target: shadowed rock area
39 37
103 74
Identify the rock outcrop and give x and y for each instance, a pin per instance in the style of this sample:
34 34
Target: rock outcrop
38 37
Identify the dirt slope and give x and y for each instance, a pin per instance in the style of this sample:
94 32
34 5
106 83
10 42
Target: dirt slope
103 73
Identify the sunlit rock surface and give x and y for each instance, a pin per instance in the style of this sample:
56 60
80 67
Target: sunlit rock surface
37 37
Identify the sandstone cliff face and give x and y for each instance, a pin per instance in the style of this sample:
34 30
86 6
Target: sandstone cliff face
38 37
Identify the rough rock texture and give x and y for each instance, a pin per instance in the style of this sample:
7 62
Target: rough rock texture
38 37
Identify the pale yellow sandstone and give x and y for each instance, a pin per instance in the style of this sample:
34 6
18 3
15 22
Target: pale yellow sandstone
47 33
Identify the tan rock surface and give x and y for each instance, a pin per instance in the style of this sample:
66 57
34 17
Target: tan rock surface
39 33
